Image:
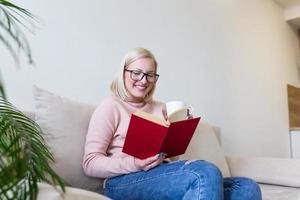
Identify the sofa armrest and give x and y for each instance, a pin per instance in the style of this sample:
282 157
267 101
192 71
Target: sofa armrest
277 171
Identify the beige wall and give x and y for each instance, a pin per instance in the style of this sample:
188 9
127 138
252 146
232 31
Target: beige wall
230 59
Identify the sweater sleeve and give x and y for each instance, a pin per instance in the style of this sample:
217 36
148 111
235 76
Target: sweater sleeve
96 162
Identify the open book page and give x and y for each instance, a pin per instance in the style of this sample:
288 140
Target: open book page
151 117
178 115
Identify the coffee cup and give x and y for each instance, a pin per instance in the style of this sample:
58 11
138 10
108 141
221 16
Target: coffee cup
173 106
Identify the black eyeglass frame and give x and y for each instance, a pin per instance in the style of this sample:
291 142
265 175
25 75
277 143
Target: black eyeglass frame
144 74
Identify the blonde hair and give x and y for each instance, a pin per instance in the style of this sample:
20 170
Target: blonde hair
118 84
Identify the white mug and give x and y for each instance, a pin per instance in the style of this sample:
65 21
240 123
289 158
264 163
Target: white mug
173 106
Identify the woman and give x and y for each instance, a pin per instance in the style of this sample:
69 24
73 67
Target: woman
152 178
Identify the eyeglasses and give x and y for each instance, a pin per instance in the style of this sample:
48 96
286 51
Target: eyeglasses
137 75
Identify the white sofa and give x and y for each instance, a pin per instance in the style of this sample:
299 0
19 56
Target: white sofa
65 122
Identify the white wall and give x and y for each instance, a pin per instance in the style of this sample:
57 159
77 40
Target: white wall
230 59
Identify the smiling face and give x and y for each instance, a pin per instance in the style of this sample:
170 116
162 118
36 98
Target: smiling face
139 89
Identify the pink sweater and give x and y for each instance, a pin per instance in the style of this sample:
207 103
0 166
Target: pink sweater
103 155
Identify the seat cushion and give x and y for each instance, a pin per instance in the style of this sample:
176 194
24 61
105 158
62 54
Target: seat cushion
205 146
274 192
64 123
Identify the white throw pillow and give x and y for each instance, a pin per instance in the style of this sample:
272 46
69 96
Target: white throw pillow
205 146
65 123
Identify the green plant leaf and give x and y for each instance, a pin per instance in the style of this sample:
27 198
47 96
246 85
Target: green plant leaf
13 19
11 32
24 158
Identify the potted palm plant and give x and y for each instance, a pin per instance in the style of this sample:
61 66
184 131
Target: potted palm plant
24 157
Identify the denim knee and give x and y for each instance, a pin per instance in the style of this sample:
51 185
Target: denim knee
201 165
241 188
251 184
207 182
204 170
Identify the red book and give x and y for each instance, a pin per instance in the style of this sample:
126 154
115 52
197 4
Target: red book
148 135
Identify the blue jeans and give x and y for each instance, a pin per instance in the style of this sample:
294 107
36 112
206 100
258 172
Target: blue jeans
181 180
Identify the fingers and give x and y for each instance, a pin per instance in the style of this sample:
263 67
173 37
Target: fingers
141 164
164 112
190 117
150 162
153 164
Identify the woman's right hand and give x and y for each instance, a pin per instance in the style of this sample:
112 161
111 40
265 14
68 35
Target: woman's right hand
149 163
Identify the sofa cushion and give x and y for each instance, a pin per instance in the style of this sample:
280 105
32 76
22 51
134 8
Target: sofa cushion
275 192
48 192
205 146
270 170
65 123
